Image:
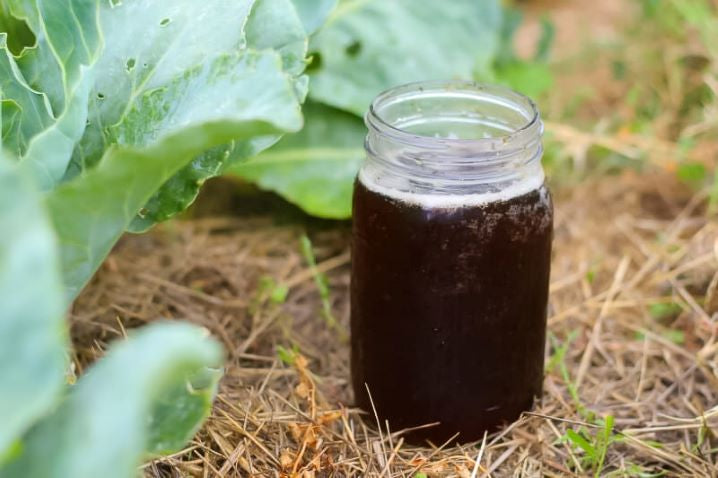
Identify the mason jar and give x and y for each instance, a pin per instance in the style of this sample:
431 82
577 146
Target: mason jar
452 232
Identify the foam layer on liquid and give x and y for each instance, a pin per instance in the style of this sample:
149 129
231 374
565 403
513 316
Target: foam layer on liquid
375 182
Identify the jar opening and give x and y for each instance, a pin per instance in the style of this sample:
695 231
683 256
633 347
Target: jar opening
454 112
449 138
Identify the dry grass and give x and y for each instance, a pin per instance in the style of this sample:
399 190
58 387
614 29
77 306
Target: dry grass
632 336
633 313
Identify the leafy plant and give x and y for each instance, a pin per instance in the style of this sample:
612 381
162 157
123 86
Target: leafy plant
113 114
322 284
366 47
288 356
558 360
533 76
275 292
594 445
104 418
32 333
315 168
665 310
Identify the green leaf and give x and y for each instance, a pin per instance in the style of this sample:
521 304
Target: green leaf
72 51
276 24
92 211
608 427
228 98
50 151
113 405
692 173
33 337
581 442
288 356
675 336
367 46
314 12
604 440
272 24
180 190
240 87
73 47
316 167
279 294
532 77
24 111
268 287
178 413
19 35
23 10
173 43
134 99
664 310
42 72
186 88
249 85
320 279
528 77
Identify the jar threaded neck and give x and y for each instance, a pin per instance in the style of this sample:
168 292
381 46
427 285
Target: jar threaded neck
454 135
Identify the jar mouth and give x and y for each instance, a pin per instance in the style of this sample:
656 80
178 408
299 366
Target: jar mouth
455 113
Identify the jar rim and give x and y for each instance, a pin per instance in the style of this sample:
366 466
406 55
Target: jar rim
530 128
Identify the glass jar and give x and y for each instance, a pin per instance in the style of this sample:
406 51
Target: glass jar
451 254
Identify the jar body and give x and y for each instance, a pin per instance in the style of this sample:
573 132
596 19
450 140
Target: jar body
448 303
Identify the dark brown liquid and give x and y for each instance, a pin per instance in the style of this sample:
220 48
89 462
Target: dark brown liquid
448 311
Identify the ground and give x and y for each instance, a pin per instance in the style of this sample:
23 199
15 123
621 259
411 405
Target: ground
633 259
631 383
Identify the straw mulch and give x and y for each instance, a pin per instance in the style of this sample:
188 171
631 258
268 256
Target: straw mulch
632 325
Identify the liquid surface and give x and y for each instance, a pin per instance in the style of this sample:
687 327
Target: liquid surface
448 310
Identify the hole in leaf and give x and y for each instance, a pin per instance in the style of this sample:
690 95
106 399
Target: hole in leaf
353 49
100 96
19 35
115 3
315 62
165 22
130 64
